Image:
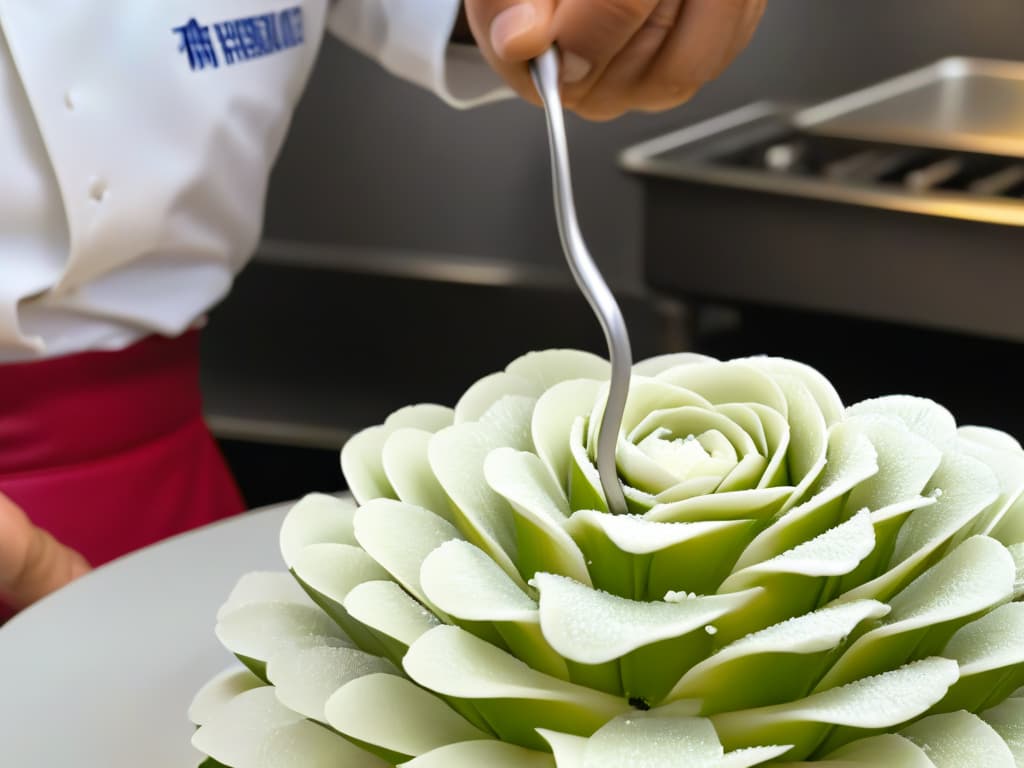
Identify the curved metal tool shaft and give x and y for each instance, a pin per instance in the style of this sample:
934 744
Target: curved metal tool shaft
588 277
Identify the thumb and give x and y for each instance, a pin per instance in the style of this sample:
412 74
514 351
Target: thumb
515 31
32 562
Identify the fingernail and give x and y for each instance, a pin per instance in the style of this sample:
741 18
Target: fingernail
574 68
510 24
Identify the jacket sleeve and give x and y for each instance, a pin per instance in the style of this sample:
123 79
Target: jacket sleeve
411 39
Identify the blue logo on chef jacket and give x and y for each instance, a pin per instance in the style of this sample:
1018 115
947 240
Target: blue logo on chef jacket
238 40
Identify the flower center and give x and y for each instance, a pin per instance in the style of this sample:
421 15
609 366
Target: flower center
707 455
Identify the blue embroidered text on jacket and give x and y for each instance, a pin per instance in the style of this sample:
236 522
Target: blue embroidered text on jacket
241 39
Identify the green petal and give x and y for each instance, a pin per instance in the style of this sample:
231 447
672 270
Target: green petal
457 456
690 421
964 487
851 461
399 537
759 504
392 714
305 678
361 455
407 466
477 754
649 395
875 702
511 696
592 627
976 576
808 435
991 657
218 692
960 739
553 417
316 519
541 510
643 559
1008 721
777 664
793 581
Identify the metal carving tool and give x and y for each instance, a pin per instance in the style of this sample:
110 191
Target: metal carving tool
545 72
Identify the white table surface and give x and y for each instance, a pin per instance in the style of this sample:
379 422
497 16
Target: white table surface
100 674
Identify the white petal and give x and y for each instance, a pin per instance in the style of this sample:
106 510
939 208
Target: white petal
552 366
407 466
821 388
387 608
264 587
334 570
1003 455
567 748
922 416
975 576
234 735
808 445
653 366
592 627
361 455
851 461
639 536
484 393
399 537
552 421
735 381
453 662
833 553
316 519
1008 721
259 630
758 504
305 678
991 642
308 745
960 739
482 754
887 749
218 692
908 462
391 713
464 582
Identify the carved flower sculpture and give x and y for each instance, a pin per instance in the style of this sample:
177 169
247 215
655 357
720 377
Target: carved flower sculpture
797 583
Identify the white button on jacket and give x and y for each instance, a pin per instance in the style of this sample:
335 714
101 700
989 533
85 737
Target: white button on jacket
136 139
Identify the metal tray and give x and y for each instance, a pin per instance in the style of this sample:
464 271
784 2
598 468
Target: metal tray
964 104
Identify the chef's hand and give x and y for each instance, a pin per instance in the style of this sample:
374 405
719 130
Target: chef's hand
617 55
32 563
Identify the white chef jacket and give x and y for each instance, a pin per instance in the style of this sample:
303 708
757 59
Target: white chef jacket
136 140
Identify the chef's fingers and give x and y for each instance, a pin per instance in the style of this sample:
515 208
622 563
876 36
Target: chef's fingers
614 90
509 33
709 35
32 563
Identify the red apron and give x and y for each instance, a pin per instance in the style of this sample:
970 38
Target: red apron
108 450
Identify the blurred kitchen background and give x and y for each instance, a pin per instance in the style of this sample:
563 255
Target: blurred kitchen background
410 249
